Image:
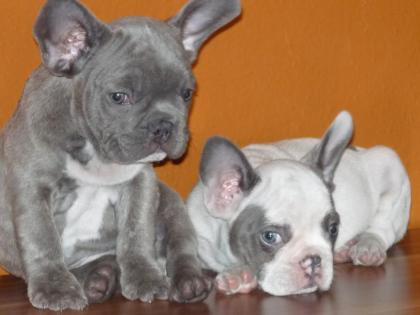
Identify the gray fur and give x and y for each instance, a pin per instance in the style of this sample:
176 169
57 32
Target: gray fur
245 238
332 219
99 279
221 156
65 107
179 246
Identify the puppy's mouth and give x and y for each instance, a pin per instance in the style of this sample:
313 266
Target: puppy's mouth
157 156
315 283
158 152
124 152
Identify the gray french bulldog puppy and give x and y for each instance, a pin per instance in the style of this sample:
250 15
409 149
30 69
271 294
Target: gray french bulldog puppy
81 209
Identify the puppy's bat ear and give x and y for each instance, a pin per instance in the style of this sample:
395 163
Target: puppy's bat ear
68 35
199 19
326 156
226 175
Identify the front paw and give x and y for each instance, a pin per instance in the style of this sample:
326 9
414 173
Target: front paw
145 285
236 280
342 254
369 250
190 286
56 291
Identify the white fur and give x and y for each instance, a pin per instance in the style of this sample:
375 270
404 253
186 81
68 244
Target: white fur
84 218
372 195
213 239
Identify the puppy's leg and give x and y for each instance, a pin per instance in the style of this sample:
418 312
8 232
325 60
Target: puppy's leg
141 278
99 278
50 284
236 280
389 224
389 181
188 283
366 249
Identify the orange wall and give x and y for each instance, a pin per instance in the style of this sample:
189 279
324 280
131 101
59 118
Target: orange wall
283 70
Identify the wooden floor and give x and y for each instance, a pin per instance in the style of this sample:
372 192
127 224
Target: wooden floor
393 289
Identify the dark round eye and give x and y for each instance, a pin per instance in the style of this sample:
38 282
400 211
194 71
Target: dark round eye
187 94
333 229
270 237
120 98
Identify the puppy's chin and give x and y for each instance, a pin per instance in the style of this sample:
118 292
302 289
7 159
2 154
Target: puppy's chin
312 288
174 151
285 291
176 155
177 146
309 289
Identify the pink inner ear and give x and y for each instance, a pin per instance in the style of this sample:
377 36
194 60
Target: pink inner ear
69 48
230 188
222 193
75 43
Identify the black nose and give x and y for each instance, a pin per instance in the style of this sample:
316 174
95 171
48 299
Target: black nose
316 261
160 130
311 262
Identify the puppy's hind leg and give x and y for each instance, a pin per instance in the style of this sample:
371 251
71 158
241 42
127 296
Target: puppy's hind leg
179 244
99 278
391 184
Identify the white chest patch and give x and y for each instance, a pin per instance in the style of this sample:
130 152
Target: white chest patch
85 217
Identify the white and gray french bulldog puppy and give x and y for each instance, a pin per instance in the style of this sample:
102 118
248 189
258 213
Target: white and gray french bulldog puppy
79 198
277 215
